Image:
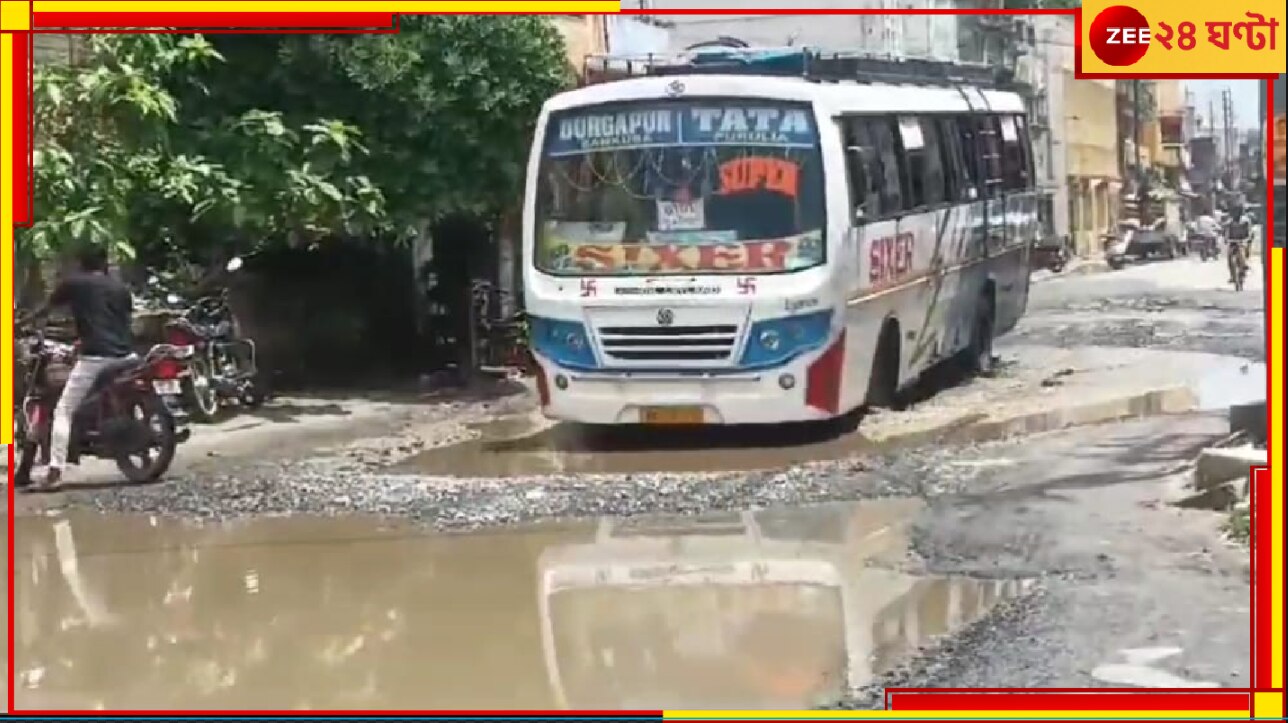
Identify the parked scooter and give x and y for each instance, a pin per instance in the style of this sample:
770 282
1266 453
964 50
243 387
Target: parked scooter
1115 247
223 369
123 418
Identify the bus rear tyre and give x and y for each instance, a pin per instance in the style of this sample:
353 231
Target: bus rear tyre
977 358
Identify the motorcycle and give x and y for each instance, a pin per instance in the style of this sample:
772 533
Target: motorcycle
121 419
1208 246
223 368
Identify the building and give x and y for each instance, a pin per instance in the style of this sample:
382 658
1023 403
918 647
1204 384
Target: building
1173 131
1093 159
1043 70
896 36
58 48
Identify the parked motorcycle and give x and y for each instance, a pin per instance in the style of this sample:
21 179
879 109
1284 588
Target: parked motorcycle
223 369
123 418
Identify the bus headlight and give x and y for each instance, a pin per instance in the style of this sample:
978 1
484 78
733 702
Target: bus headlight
774 342
565 343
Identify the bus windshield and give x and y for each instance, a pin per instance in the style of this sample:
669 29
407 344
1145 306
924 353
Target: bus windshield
680 187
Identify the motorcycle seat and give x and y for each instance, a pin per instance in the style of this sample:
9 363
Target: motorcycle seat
111 371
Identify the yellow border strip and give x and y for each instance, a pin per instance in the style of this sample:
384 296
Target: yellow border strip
6 234
1275 400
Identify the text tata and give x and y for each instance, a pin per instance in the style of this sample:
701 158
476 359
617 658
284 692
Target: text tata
751 120
890 257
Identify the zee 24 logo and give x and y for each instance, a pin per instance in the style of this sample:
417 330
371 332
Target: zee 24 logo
1121 35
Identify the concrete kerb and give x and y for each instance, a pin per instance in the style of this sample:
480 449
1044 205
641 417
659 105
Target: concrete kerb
976 428
1077 267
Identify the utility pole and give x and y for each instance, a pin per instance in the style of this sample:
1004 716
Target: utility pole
1142 203
1227 141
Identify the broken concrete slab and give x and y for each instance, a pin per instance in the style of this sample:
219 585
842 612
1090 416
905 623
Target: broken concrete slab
1218 465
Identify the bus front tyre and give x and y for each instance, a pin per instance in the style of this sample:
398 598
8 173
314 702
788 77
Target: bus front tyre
883 383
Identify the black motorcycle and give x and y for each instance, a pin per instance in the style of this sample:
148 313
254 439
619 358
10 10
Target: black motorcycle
223 369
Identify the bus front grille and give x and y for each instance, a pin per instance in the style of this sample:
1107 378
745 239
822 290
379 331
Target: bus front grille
658 345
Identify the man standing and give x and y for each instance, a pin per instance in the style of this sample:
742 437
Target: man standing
102 308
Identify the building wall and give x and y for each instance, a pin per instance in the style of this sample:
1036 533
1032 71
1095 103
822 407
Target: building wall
632 36
1044 67
1091 127
919 36
583 35
58 48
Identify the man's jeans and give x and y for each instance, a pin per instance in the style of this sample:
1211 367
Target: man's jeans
78 385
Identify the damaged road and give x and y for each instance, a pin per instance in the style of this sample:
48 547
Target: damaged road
1012 531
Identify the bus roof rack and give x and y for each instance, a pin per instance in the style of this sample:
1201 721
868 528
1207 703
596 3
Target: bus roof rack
805 63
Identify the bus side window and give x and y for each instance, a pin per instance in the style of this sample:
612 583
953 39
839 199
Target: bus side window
971 154
914 154
1015 171
863 170
890 184
1026 147
956 181
936 181
987 133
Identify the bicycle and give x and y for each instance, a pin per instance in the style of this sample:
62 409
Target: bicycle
1238 262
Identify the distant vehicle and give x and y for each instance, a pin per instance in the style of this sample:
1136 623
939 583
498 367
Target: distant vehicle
726 242
1132 241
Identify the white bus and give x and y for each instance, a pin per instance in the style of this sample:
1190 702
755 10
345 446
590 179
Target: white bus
747 248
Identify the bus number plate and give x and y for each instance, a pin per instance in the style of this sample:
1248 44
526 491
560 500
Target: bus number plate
672 415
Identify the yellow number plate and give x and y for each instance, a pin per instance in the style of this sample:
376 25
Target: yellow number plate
672 415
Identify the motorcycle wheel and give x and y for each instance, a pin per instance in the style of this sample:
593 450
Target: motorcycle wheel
28 450
26 461
149 464
254 394
200 393
1117 262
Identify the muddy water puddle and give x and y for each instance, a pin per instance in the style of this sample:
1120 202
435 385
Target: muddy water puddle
529 446
772 609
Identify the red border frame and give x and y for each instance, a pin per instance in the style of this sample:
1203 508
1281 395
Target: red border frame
928 699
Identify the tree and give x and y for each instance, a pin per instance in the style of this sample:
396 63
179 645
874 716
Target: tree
446 106
119 160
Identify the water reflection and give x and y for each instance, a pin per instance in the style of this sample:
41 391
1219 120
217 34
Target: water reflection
776 609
